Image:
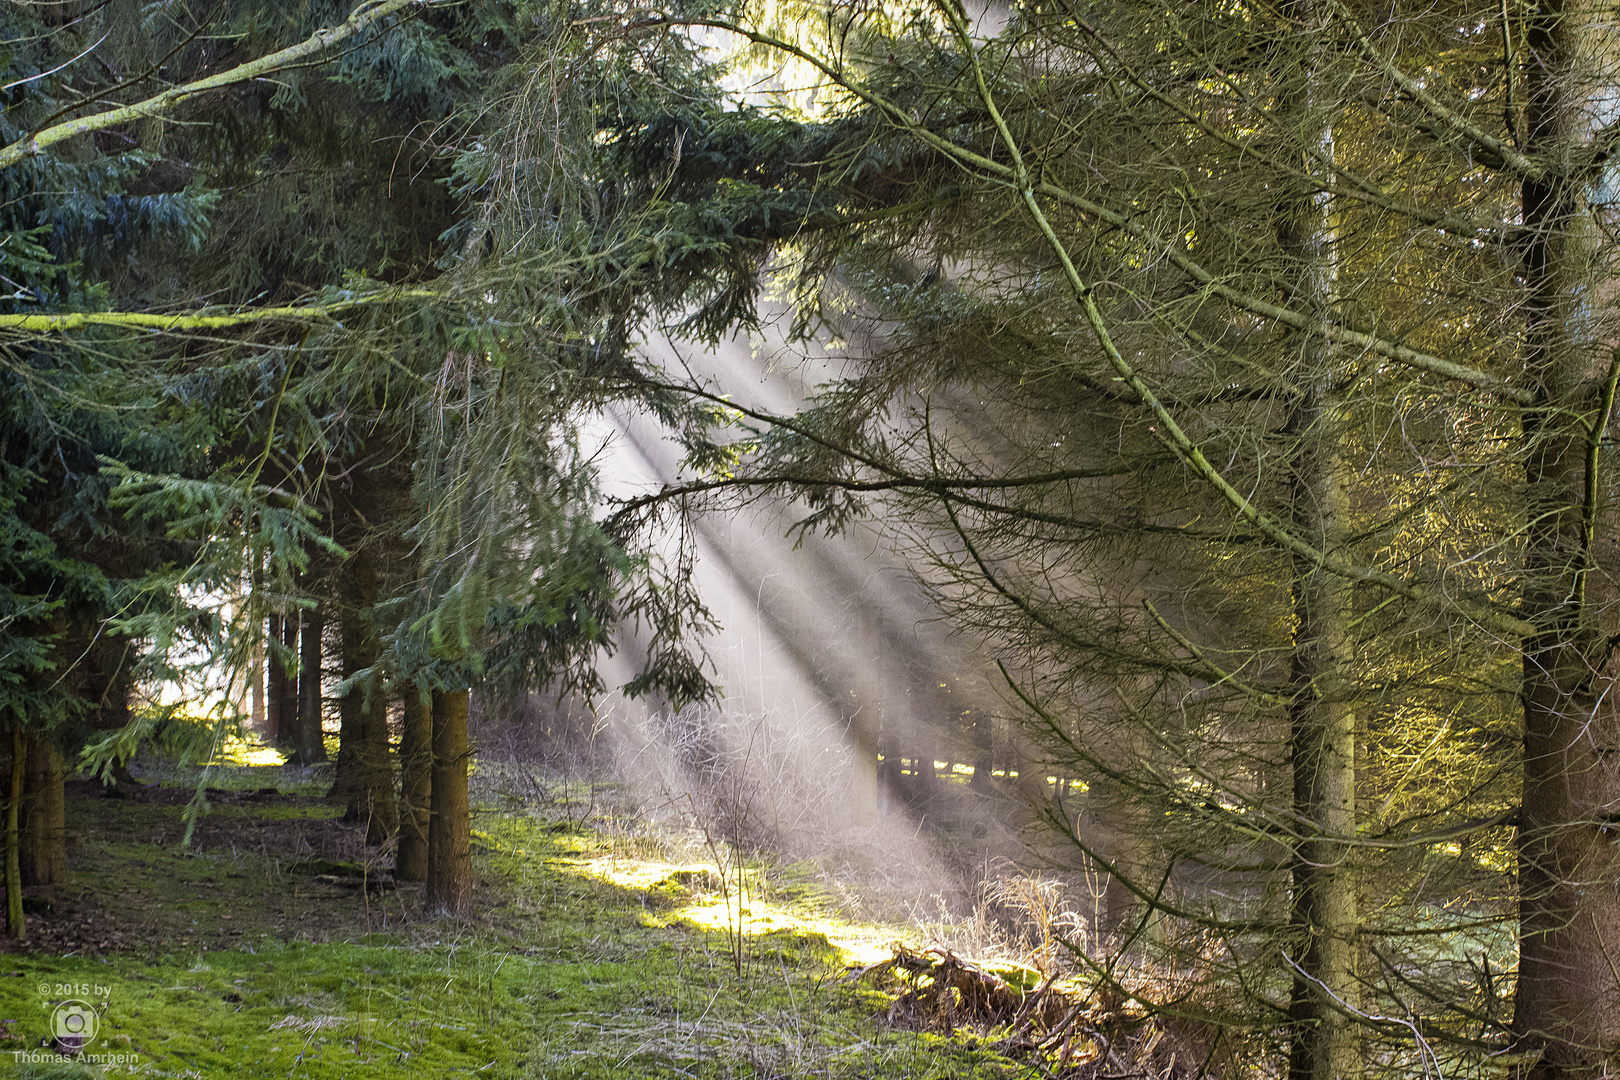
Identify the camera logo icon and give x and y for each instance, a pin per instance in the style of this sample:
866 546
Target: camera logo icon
74 1025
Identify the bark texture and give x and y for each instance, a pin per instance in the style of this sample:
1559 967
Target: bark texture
416 788
449 885
372 773
355 657
44 831
258 719
311 745
1568 1002
1325 1042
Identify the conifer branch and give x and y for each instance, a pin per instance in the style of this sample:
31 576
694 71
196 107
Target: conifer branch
1505 155
1360 188
1170 252
364 16
137 320
1169 432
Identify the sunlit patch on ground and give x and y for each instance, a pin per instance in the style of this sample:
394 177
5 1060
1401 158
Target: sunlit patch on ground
592 956
249 751
632 873
860 944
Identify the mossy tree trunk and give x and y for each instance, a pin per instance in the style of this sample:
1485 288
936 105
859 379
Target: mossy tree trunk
449 878
1325 1033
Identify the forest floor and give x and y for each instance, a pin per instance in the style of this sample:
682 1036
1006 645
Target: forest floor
265 949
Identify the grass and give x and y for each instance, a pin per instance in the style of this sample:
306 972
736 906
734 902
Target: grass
593 955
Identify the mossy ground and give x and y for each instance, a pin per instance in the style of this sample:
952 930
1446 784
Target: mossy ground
588 958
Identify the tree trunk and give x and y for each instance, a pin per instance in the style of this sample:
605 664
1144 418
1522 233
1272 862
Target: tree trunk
275 681
257 721
364 756
1568 1001
356 657
311 742
281 690
983 753
44 827
416 788
922 774
16 927
1138 861
1325 1042
375 781
888 760
377 803
449 887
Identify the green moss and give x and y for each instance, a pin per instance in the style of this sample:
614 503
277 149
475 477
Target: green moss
277 812
246 969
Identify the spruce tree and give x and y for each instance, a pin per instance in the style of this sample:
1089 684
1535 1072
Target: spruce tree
1201 353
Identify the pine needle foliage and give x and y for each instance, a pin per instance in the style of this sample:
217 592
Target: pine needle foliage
1202 354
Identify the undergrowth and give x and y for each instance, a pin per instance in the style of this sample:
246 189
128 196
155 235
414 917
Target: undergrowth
592 956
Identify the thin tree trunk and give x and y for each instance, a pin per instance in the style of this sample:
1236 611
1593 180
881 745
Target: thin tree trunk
44 826
357 655
1568 1002
1326 992
1138 860
16 927
888 760
449 887
256 684
281 690
416 788
1325 1034
983 752
275 679
1136 848
356 590
311 742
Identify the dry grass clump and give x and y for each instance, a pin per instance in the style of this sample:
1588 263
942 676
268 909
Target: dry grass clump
1043 1020
1032 975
